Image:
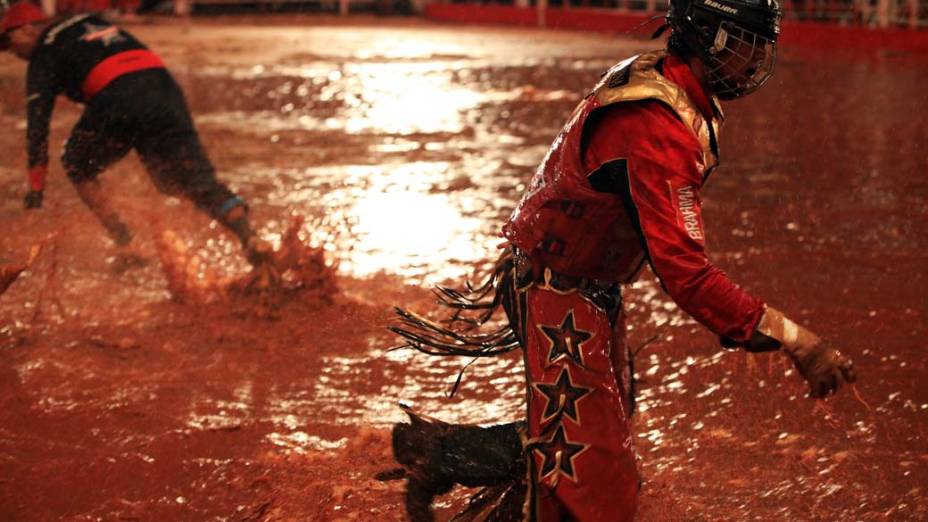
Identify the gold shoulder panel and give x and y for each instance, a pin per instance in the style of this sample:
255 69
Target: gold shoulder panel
644 82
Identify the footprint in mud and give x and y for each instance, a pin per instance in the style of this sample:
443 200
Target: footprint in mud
295 267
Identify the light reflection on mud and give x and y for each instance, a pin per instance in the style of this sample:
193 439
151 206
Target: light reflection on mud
491 389
404 100
406 149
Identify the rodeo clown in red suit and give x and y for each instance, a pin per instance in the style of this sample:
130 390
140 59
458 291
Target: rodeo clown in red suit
131 102
619 188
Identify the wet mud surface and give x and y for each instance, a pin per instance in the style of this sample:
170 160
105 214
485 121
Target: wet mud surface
404 145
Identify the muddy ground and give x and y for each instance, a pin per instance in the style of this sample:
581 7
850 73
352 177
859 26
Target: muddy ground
405 144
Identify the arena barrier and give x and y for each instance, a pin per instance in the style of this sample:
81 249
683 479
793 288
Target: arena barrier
898 25
795 32
185 7
884 14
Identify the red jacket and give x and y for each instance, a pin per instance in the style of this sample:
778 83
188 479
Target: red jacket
621 184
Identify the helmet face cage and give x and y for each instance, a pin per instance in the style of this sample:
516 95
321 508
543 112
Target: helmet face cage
739 61
735 39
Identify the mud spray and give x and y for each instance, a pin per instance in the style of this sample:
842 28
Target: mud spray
205 391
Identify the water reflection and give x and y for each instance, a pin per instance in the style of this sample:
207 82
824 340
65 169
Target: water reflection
393 218
406 150
405 99
491 389
408 229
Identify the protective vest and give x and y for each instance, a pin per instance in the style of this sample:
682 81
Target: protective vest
566 225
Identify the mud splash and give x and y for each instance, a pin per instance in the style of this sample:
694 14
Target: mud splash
293 266
119 400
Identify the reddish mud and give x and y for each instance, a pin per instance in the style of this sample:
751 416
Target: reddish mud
404 145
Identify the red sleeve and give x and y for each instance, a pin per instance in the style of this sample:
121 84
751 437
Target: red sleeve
37 177
662 187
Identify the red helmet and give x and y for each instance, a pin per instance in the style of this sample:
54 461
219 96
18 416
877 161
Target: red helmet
18 15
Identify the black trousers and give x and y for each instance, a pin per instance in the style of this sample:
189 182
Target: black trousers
146 111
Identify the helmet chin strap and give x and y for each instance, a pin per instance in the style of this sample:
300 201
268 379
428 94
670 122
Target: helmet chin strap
660 30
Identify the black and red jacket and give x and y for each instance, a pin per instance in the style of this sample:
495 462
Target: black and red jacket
76 56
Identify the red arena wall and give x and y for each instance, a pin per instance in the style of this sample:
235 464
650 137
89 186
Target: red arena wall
795 33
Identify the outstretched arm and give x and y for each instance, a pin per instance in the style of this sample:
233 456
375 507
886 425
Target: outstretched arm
40 102
819 363
643 153
658 180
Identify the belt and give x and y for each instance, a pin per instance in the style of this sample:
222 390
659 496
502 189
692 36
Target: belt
605 295
115 66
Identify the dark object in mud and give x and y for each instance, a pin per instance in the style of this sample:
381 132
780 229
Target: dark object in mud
8 274
436 455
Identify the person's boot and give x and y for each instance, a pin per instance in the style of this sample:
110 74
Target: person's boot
257 251
437 455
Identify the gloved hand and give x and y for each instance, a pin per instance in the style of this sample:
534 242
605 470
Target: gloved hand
822 366
33 199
